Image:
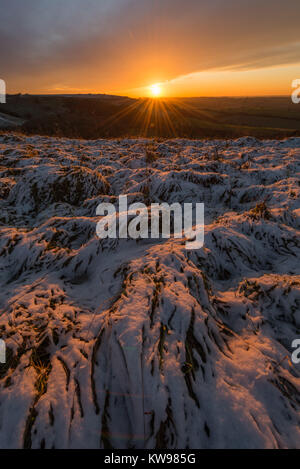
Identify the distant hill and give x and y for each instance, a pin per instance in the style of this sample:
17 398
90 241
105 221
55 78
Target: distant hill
101 116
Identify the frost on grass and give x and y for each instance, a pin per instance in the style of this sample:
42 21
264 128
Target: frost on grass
131 344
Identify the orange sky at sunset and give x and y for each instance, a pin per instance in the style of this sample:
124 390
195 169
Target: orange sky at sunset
215 48
259 82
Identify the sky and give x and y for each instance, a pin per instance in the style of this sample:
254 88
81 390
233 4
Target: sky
189 47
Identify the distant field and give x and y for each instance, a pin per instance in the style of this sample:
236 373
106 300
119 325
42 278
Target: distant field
113 116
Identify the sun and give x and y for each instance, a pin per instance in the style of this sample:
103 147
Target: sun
155 90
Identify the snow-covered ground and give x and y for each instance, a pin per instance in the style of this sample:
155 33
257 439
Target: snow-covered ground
7 121
132 344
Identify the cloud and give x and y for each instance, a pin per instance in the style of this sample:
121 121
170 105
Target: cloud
120 44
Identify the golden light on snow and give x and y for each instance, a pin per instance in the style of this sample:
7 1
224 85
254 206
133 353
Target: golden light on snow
155 90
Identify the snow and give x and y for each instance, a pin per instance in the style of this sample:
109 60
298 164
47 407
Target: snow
7 121
141 343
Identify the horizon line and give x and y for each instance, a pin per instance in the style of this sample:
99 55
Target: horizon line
149 97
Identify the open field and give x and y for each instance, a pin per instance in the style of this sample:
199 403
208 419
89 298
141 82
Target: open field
112 116
121 343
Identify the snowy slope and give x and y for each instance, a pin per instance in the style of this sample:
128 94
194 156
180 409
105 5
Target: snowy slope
7 121
132 344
